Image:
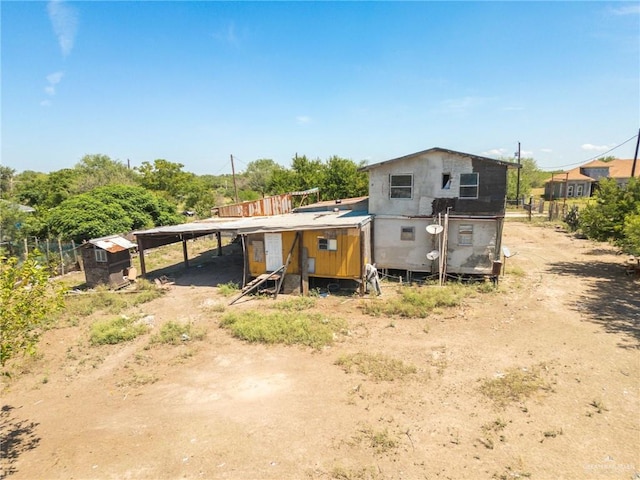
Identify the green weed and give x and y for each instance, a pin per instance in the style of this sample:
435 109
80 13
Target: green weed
309 329
174 333
418 302
117 330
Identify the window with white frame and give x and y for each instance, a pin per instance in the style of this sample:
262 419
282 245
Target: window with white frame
407 233
465 235
579 191
570 191
401 186
101 255
468 185
329 244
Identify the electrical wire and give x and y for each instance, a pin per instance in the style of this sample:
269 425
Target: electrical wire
600 155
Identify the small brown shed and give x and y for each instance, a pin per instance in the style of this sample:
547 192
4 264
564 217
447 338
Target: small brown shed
107 261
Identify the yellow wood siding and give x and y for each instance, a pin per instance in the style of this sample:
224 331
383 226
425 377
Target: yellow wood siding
344 262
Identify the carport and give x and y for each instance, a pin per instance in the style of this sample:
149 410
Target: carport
159 236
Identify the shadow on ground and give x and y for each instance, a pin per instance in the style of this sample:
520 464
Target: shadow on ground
208 269
612 299
18 436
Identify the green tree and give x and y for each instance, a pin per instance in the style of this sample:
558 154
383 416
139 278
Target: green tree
342 179
164 176
632 232
307 173
258 175
530 177
110 210
99 170
6 182
27 299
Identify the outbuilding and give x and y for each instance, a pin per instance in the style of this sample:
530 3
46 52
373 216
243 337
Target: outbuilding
107 261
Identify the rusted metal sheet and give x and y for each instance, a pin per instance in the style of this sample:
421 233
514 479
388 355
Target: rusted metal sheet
275 205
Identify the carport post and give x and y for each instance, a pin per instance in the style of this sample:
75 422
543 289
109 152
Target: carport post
219 239
143 268
184 251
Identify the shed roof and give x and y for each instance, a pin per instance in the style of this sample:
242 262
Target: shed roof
112 243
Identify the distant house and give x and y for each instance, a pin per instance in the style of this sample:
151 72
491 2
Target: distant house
107 261
582 181
465 194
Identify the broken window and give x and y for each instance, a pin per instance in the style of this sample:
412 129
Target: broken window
330 244
446 181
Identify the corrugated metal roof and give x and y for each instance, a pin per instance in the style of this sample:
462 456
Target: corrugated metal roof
113 243
275 223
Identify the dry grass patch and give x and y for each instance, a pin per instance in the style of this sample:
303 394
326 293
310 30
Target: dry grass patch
515 385
378 367
418 302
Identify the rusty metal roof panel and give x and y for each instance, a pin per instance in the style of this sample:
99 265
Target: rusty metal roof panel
112 244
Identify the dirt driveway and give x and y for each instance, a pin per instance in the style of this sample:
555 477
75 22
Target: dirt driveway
224 409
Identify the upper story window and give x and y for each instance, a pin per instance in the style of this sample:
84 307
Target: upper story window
446 181
101 255
401 186
468 185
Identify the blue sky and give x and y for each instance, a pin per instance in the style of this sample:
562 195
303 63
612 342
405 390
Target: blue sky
196 82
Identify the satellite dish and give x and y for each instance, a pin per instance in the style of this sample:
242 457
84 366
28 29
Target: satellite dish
434 229
506 252
433 254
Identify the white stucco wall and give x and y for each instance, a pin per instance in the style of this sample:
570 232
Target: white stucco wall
427 170
393 253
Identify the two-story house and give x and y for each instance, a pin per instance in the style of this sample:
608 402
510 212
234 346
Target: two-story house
583 181
465 194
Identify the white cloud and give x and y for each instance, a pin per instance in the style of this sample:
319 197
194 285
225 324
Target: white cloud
630 9
546 150
595 148
495 152
45 103
54 78
64 20
303 120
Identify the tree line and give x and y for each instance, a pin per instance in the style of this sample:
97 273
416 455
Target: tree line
100 196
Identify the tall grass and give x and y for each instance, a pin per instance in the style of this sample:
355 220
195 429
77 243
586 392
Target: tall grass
311 329
418 302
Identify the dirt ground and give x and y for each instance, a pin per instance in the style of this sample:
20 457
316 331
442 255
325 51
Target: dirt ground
224 409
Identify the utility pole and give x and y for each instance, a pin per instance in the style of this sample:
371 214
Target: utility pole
635 156
235 186
518 179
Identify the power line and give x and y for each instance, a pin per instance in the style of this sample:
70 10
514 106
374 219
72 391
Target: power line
592 158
